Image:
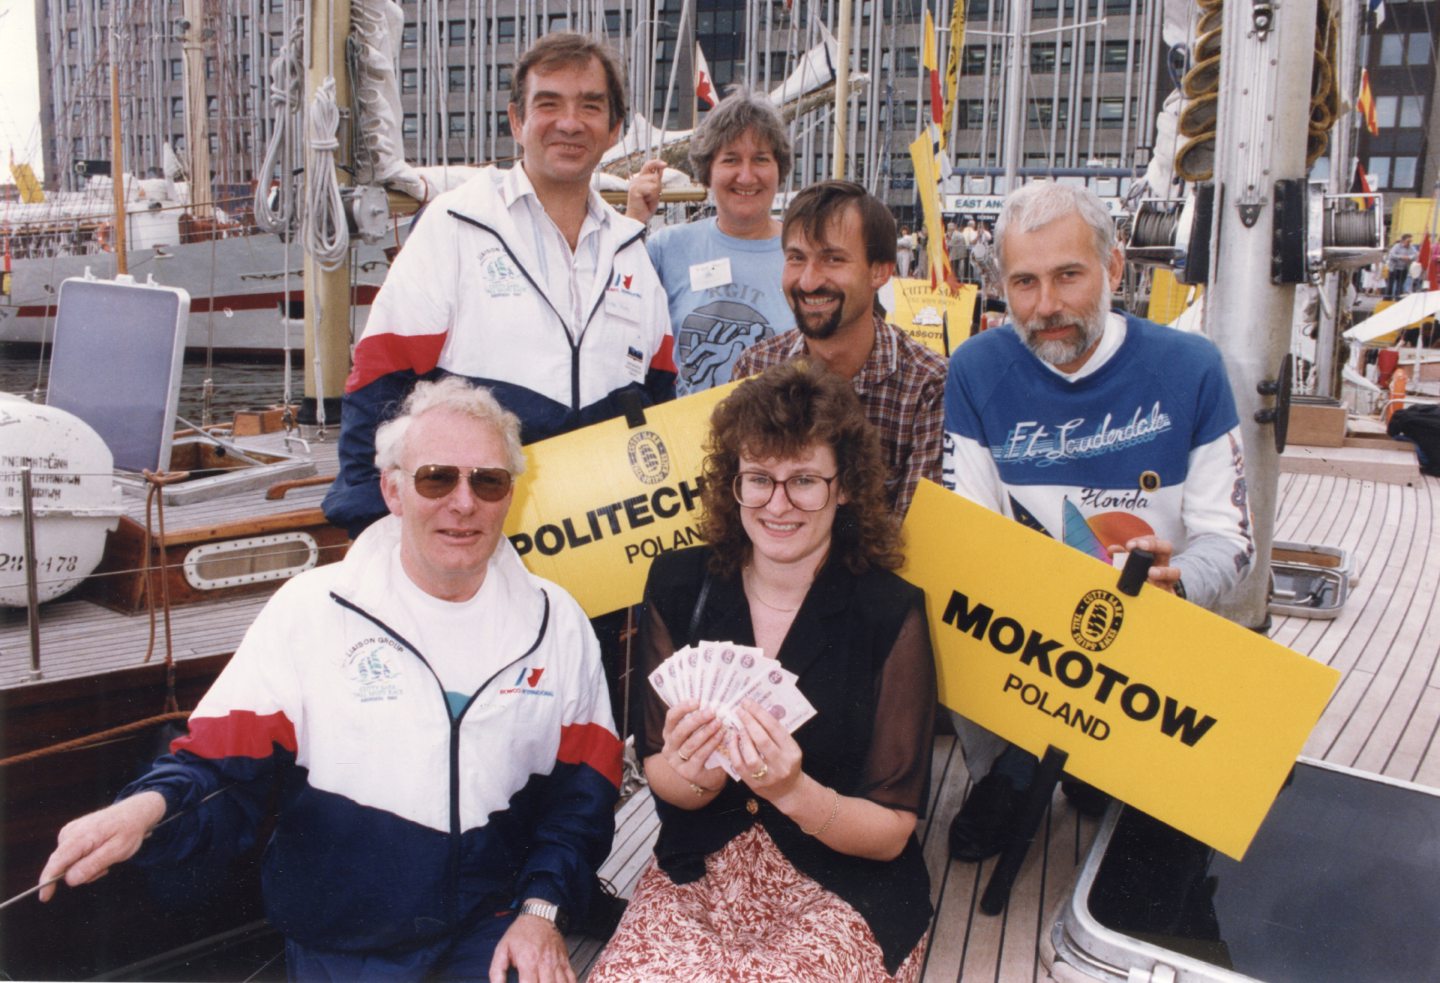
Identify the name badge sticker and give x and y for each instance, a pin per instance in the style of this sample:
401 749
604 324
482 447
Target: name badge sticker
623 304
715 273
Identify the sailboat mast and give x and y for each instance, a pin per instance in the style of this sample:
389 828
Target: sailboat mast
842 88
327 292
1262 126
197 135
117 156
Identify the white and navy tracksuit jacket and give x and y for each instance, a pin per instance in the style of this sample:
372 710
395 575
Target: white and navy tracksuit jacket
395 823
471 295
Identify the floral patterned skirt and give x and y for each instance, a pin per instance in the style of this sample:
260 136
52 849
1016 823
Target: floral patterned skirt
753 917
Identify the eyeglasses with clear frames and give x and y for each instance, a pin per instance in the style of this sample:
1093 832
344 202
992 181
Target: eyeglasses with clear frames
807 492
439 480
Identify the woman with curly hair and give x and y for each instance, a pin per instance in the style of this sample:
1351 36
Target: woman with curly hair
808 867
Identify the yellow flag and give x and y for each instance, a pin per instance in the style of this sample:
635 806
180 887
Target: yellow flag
952 63
928 58
922 157
30 191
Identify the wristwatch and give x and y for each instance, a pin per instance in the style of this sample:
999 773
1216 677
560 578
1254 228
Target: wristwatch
549 911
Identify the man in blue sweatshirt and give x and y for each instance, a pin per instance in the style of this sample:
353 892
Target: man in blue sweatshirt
1102 430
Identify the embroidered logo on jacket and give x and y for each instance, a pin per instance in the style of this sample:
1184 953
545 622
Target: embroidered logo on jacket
371 666
527 683
499 275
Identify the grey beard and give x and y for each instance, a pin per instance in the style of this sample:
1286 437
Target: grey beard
1060 352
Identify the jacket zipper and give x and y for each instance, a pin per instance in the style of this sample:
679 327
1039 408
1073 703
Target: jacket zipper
453 861
574 341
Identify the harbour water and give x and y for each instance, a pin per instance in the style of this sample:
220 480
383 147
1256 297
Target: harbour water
234 384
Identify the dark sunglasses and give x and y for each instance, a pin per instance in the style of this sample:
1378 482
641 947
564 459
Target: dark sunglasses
439 480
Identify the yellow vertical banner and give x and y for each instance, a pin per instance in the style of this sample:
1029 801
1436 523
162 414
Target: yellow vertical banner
595 506
922 158
952 62
1170 708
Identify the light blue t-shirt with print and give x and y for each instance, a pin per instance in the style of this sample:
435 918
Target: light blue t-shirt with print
714 324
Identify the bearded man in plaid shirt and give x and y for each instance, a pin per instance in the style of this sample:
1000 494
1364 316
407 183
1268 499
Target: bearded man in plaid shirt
839 243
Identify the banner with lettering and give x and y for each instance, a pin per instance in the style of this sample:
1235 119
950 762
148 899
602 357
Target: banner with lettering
1168 707
595 506
939 317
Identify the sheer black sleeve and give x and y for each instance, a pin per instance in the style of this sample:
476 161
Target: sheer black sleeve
897 768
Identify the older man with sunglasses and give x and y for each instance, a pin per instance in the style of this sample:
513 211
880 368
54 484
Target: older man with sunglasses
435 718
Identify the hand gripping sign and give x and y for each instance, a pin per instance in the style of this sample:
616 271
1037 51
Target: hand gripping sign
596 505
1168 707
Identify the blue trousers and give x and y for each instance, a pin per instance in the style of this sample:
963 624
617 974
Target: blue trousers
464 956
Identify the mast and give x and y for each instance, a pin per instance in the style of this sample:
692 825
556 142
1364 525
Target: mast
1263 122
327 292
197 135
842 89
1014 135
117 153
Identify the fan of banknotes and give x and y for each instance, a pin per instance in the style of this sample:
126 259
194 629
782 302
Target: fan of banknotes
718 675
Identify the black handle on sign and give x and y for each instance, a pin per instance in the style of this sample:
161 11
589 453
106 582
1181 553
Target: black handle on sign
1037 800
633 408
1136 572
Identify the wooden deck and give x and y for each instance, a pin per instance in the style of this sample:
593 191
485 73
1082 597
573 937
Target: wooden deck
1384 718
78 638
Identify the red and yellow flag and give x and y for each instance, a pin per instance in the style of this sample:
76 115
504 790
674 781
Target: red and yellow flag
1365 104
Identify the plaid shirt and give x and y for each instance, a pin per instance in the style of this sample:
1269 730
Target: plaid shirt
901 385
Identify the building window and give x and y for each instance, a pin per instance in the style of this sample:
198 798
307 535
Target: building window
409 36
505 29
177 69
455 78
1385 110
455 125
1379 173
456 33
1412 110
177 107
1403 178
209 68
409 79
504 76
410 126
72 39
1417 48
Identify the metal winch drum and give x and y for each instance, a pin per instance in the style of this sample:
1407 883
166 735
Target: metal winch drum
75 500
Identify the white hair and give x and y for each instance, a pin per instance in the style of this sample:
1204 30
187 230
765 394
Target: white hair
457 395
1033 206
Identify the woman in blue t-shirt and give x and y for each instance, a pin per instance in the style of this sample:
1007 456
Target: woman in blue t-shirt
722 274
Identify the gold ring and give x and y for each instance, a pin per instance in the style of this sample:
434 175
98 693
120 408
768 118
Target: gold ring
764 770
682 755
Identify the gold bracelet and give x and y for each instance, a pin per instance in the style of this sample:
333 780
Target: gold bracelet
834 811
700 790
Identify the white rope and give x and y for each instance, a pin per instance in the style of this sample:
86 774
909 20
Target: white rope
286 77
327 236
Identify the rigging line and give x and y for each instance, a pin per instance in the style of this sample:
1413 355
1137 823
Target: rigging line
60 877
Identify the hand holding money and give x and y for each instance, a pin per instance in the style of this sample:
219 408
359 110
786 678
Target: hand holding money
767 757
692 734
717 676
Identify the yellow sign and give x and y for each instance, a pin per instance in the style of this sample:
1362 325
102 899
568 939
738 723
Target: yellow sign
938 318
597 505
31 193
1166 706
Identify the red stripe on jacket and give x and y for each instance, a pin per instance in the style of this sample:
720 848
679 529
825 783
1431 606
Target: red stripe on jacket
238 734
381 354
593 745
664 358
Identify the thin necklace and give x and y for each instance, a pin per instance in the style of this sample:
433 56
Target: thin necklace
753 590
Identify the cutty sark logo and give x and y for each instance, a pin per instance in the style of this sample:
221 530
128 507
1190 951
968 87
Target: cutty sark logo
648 457
1097 620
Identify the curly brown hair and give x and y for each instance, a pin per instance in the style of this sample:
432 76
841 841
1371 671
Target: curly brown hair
781 414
